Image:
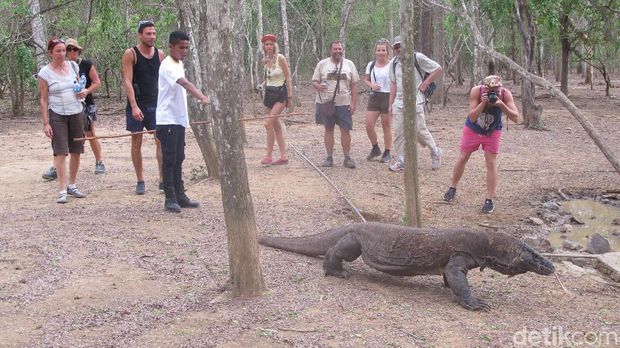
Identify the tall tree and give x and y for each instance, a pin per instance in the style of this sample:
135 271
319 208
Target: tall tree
284 16
245 273
525 24
413 208
344 21
38 33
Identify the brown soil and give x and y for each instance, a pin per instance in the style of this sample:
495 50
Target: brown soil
115 269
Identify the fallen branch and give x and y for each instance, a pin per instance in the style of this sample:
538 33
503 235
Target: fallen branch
357 211
256 118
113 136
562 285
296 330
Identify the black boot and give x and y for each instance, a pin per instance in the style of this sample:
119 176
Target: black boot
182 198
171 203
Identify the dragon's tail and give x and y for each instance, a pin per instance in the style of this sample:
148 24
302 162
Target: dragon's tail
313 245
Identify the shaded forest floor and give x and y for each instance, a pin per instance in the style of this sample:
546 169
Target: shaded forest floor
115 269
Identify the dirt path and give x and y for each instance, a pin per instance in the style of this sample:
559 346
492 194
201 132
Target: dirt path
114 269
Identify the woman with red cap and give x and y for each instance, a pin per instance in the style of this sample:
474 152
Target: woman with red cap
277 96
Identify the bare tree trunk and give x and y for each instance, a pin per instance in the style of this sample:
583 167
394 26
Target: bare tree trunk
390 11
344 21
413 209
561 97
439 54
189 20
38 33
564 23
245 273
322 37
259 35
531 111
477 74
285 42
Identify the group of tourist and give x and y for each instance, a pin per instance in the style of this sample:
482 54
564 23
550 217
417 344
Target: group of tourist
156 90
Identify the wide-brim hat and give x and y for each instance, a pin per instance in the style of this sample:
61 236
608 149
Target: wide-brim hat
493 81
268 37
74 43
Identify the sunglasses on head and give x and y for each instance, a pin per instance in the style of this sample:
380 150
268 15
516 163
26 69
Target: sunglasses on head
72 49
396 46
145 23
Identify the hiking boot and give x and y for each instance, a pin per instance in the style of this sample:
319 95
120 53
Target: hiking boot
140 188
99 167
386 158
348 162
449 195
397 166
328 162
161 187
171 205
436 158
182 199
376 151
488 206
75 192
50 174
62 197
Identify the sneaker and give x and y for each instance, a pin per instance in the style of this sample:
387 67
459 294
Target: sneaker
62 197
99 167
386 157
397 166
376 151
161 187
449 195
140 188
348 162
488 206
75 192
436 158
328 162
50 174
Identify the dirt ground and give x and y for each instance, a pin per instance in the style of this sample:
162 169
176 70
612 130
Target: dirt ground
115 269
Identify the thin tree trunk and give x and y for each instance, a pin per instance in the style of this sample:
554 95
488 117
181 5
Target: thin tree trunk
38 33
344 21
259 35
245 273
322 37
438 53
477 74
413 207
565 43
531 111
285 42
189 20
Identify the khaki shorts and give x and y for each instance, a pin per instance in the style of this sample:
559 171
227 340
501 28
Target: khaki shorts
65 129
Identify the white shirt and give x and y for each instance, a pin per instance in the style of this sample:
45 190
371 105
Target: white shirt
171 97
427 65
380 76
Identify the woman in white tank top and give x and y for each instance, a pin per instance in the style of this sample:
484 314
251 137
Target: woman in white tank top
278 95
377 79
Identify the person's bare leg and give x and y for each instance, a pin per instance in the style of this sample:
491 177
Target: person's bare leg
386 124
159 155
345 140
74 165
490 160
328 138
371 121
61 171
278 130
459 168
136 155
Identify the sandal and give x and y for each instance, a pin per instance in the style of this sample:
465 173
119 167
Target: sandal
266 160
280 161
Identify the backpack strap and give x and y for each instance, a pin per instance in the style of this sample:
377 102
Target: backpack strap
417 65
372 69
394 65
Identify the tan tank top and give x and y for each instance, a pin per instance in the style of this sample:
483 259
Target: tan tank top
274 76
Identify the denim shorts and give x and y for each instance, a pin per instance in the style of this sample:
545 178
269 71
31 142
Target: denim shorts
342 118
149 121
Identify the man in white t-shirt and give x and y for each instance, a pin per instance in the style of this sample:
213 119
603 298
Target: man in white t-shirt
425 138
335 78
172 119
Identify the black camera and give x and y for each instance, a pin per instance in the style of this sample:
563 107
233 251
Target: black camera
492 97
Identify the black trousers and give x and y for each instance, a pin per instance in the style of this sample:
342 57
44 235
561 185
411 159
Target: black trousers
172 139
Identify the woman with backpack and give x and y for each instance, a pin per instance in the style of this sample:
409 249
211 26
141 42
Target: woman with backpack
377 79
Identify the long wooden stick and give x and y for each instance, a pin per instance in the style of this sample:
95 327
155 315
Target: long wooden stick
255 118
113 136
355 210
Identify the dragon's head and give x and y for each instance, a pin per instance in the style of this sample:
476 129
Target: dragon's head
516 258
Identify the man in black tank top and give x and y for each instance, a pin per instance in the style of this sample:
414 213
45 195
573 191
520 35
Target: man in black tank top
140 67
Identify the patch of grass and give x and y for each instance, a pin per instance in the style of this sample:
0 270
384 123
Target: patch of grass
199 173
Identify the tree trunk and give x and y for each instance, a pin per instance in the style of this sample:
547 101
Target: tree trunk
189 21
477 74
439 54
344 21
531 112
38 33
322 37
588 74
259 35
285 42
413 209
561 97
564 40
245 273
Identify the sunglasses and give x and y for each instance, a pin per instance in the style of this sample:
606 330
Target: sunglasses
145 23
52 43
72 49
396 46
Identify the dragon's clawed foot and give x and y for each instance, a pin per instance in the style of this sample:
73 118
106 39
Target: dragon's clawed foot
474 304
340 273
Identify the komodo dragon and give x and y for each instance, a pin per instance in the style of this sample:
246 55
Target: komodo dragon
406 251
